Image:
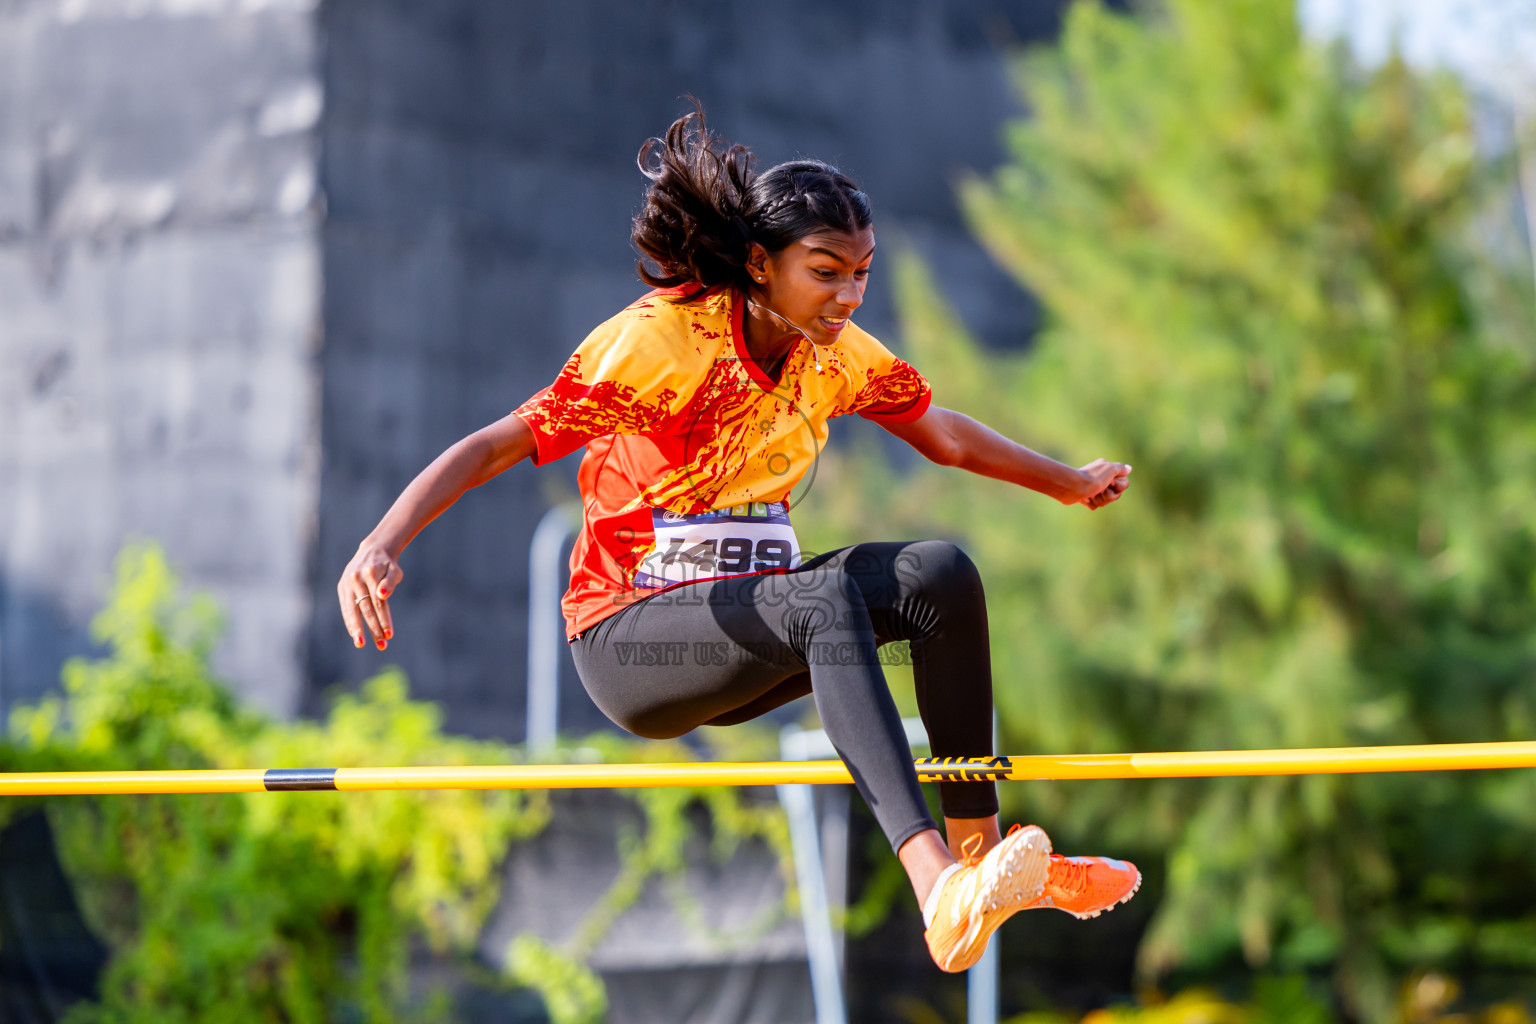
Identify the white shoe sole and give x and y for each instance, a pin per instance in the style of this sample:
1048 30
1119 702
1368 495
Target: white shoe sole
1015 878
1104 910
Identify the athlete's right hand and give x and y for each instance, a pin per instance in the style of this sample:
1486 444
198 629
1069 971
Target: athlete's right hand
1103 482
364 591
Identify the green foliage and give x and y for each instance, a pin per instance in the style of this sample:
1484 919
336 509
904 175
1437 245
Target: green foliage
572 993
1275 1001
1260 266
1426 999
305 907
659 852
257 907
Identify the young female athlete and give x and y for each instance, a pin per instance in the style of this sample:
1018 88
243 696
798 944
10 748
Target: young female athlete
701 406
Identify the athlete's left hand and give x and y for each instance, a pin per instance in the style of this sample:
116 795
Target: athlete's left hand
1115 477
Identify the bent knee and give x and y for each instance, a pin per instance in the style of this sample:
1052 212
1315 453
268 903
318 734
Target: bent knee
940 567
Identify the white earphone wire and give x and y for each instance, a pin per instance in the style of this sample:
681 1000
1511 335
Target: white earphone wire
815 349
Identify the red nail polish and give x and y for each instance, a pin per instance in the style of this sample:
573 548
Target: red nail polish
357 641
383 592
381 645
389 634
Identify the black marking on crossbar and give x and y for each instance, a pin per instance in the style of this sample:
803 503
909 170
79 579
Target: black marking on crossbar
964 769
280 779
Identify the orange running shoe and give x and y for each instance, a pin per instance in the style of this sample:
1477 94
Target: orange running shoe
983 892
1087 886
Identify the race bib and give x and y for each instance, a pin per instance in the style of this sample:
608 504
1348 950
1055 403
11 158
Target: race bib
724 542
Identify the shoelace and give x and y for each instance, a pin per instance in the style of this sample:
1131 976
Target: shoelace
1069 875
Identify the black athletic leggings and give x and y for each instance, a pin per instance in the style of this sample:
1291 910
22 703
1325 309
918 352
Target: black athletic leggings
727 650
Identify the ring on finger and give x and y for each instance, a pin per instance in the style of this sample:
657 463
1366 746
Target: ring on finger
365 597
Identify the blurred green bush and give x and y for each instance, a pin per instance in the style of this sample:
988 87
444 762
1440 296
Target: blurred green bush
256 907
1268 278
1423 999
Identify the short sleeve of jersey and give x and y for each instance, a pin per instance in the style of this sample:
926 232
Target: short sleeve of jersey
623 379
889 389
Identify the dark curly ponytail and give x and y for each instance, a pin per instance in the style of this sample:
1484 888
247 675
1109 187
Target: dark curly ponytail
705 206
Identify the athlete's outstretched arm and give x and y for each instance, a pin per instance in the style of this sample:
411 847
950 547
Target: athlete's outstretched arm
374 572
954 439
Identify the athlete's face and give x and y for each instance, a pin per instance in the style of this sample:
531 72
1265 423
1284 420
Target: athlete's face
816 283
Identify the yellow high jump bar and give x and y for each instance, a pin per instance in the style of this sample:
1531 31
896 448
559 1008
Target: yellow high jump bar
1035 767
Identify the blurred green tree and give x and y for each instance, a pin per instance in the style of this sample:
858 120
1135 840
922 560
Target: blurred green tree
1266 291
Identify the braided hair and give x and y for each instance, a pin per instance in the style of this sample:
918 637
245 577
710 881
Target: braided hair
705 206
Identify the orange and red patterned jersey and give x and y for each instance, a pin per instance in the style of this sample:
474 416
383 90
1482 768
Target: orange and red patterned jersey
680 422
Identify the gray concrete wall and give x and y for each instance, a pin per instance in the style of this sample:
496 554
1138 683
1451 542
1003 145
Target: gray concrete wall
478 160
715 944
159 319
